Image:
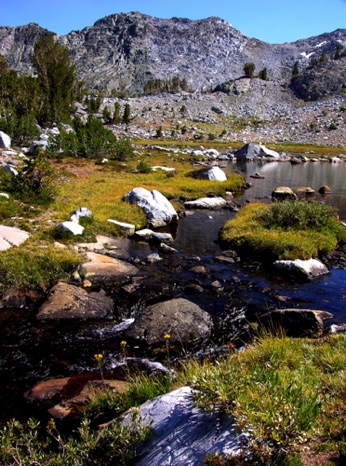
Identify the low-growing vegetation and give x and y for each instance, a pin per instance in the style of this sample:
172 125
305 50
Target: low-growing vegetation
102 187
287 394
285 230
34 264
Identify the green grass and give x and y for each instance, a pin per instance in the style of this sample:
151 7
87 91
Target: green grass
34 264
287 230
286 392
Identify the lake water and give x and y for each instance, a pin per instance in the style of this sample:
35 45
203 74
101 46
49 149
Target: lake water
197 233
311 174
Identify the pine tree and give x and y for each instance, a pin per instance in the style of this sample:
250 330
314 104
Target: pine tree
295 70
249 69
126 115
56 77
116 114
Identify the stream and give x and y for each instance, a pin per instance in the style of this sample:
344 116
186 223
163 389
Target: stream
32 350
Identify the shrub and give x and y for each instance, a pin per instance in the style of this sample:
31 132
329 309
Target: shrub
29 443
35 181
263 74
143 167
93 139
299 215
122 150
249 69
90 140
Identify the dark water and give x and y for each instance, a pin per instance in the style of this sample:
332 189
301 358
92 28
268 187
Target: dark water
326 293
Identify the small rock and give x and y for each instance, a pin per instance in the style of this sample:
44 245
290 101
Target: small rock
283 192
206 203
325 190
152 258
71 227
167 249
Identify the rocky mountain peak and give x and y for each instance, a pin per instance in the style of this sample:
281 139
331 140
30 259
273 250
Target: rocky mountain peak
124 51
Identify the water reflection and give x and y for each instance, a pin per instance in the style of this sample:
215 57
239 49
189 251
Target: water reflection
312 174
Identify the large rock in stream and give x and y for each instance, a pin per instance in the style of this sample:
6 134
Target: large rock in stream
255 152
183 320
70 302
301 269
103 269
156 206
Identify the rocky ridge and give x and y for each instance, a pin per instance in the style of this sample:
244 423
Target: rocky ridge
122 52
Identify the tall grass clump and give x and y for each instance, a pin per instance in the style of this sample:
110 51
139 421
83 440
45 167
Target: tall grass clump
285 230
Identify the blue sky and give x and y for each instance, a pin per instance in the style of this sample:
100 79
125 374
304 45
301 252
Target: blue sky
274 21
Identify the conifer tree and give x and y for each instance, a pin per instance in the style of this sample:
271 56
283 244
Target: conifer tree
56 77
249 69
126 115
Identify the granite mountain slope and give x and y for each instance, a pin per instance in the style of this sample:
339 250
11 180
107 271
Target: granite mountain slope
122 52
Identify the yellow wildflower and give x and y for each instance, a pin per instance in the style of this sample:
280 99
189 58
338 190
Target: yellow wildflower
98 357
